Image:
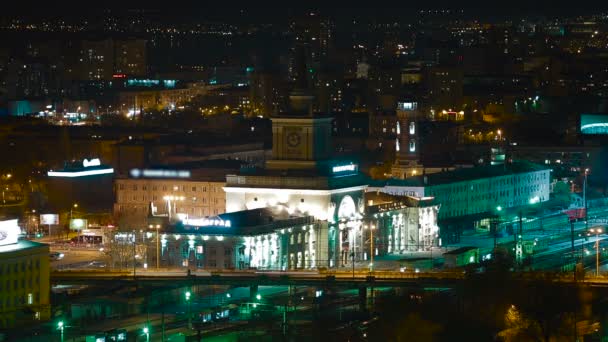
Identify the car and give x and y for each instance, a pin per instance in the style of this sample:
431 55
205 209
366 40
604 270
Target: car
96 263
56 255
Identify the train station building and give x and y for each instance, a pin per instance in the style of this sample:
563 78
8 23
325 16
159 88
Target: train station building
305 209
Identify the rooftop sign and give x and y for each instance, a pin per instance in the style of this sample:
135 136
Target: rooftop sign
344 168
206 222
73 174
152 173
92 162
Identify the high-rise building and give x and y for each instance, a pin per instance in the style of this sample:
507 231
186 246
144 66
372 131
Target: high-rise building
100 60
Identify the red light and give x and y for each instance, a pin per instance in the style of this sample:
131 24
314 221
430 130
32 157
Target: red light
119 76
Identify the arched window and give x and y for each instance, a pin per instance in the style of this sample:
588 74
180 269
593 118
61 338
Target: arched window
412 146
412 128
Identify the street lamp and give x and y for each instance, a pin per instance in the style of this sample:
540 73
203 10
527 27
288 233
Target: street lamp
597 232
134 254
60 326
146 331
371 246
157 244
75 205
188 294
585 198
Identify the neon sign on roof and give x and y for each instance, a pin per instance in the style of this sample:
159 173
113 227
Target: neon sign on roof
207 222
92 162
343 168
75 174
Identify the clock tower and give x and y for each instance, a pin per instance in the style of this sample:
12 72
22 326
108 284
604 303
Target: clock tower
301 138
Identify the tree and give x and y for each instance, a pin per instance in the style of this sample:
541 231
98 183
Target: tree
561 193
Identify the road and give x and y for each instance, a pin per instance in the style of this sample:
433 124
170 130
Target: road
75 257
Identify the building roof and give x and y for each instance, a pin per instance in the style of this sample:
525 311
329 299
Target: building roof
461 250
383 202
464 174
21 245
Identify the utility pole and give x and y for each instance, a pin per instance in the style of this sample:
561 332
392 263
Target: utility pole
371 247
157 246
585 199
352 254
519 245
133 254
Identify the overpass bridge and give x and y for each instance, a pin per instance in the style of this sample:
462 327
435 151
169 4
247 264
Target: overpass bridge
257 278
445 278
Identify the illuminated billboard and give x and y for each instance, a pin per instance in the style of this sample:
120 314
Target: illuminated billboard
9 232
49 219
78 224
594 123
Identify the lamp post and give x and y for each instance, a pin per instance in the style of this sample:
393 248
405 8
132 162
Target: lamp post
188 294
371 247
75 205
597 232
60 327
157 244
572 248
146 331
585 198
134 263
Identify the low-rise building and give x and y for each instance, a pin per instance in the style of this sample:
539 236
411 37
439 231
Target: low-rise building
473 194
170 192
24 278
461 257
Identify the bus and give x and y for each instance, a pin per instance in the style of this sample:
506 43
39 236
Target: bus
87 240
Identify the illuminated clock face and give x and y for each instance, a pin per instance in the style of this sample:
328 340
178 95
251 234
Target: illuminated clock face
293 139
